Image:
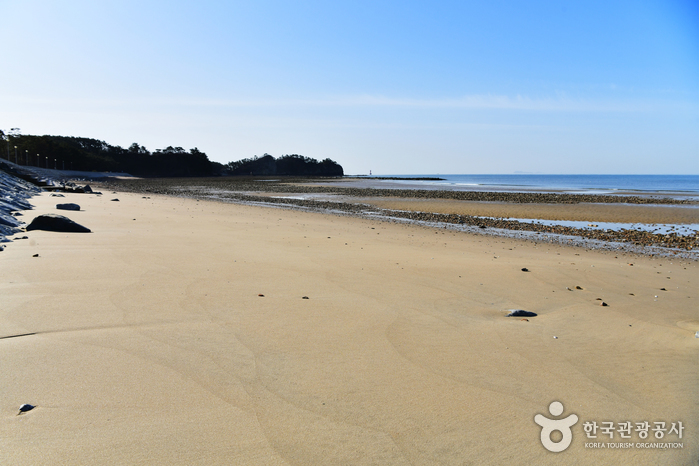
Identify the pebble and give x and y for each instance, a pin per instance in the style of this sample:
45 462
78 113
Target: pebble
261 295
520 313
25 407
525 269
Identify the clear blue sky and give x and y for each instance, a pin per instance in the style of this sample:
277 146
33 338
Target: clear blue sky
400 87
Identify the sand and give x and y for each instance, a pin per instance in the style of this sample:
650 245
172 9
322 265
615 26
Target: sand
149 342
616 213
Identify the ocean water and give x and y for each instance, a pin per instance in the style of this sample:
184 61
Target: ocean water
687 185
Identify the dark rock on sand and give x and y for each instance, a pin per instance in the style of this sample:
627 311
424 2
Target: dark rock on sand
115 200
50 222
25 407
68 206
521 313
525 269
57 195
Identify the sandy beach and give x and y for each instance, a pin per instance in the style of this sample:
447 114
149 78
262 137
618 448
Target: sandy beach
185 331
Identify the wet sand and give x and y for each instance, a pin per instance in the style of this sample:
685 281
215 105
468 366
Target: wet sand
147 341
618 213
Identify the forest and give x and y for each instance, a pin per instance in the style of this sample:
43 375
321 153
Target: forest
286 165
87 154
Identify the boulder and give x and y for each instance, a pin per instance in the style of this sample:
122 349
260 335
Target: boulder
51 222
69 206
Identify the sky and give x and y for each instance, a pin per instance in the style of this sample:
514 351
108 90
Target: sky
395 87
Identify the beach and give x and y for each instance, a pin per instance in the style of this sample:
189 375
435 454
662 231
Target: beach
188 331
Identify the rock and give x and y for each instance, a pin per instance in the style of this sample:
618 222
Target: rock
663 289
520 313
83 189
51 222
115 200
261 295
57 195
68 206
25 407
603 304
525 269
578 288
304 297
35 255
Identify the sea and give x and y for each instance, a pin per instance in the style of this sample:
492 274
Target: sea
670 185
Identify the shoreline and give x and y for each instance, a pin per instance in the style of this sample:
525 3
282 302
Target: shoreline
436 185
457 209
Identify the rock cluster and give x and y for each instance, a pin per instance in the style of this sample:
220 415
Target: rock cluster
15 193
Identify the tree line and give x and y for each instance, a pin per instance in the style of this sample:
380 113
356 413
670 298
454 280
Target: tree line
87 154
294 165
